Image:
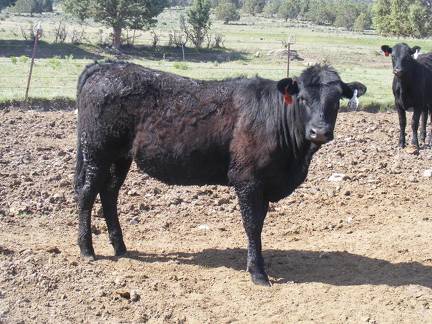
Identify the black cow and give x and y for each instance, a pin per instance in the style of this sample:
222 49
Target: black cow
256 135
412 88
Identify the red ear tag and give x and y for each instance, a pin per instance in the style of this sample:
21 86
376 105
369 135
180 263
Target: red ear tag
386 53
288 98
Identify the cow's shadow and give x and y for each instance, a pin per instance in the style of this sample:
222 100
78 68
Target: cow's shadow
299 266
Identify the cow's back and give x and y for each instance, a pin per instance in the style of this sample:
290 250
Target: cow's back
425 60
177 129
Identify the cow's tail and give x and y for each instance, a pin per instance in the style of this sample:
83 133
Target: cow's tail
79 178
80 166
89 70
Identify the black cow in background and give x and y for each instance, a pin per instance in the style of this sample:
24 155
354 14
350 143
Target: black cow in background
412 88
256 135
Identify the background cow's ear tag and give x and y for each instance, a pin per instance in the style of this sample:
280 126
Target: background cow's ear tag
287 98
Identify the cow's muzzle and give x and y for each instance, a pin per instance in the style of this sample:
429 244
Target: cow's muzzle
320 135
397 72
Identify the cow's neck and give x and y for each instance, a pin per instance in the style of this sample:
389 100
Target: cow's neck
291 131
408 80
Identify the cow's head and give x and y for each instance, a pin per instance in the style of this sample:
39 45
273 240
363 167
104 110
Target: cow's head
402 57
317 92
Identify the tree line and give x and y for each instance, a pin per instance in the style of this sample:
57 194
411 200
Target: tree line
388 17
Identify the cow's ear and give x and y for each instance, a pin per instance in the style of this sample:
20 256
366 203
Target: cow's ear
415 49
288 86
386 49
348 89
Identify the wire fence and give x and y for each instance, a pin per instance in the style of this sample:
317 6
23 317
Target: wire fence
57 83
51 80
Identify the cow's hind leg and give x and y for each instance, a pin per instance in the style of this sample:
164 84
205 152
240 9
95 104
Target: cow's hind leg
94 177
254 209
109 197
429 143
423 125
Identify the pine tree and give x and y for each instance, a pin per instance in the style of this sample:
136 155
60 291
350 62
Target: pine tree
289 9
227 11
198 21
6 3
402 18
117 14
33 6
253 7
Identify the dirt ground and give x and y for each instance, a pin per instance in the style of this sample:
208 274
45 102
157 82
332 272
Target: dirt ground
353 251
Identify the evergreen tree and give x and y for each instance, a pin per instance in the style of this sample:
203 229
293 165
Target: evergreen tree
198 21
402 18
361 22
289 9
271 8
321 12
6 3
33 6
117 14
227 11
420 20
253 7
346 14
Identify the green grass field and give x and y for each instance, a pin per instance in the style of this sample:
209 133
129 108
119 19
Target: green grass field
247 44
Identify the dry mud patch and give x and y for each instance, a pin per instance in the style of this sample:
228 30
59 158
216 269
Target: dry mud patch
354 251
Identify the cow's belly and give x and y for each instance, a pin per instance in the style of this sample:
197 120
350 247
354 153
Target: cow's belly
185 167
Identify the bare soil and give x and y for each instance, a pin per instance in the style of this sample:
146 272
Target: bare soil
353 251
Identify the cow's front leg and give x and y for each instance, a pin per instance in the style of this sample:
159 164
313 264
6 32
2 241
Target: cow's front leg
414 125
253 209
402 125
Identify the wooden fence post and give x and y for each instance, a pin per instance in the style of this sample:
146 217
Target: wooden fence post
288 46
38 35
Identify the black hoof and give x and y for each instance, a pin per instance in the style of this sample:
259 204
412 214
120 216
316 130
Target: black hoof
119 249
86 250
260 279
88 256
120 252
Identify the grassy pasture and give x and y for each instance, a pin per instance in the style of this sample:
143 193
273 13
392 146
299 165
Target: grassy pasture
247 45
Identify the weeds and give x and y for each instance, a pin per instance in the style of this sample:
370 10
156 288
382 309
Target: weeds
23 59
180 66
54 62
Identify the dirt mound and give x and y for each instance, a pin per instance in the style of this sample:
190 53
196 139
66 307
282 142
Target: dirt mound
351 245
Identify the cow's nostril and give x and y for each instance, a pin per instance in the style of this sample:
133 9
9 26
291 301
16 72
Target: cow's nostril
320 135
313 133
